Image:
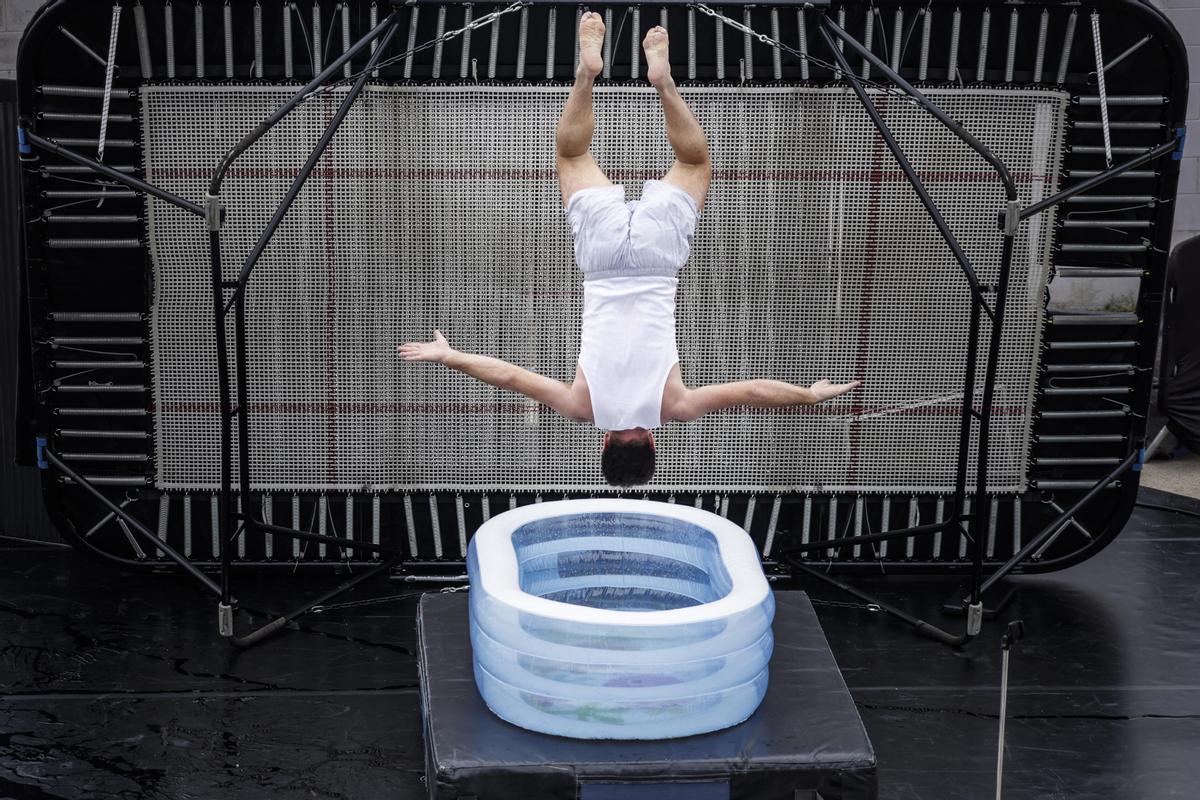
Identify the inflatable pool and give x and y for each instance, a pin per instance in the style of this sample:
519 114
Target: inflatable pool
618 619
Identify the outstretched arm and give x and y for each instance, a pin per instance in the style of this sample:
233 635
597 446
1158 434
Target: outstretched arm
501 374
696 403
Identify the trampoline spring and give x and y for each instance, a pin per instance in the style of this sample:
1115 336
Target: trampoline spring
748 520
1106 413
410 525
374 20
1133 174
227 28
1014 19
724 506
578 17
198 16
58 90
1094 318
955 31
435 525
322 523
802 36
858 505
93 244
187 525
772 524
1118 199
1039 59
465 59
461 519
143 40
720 50
413 20
494 45
81 433
841 21
885 512
104 456
87 194
258 40
93 219
926 31
101 412
59 116
985 29
440 46
662 17
691 43
1016 530
296 525
1088 125
965 529
1110 344
96 316
267 509
97 364
897 38
1080 438
868 42
214 519
1068 41
634 53
776 53
1103 92
68 141
831 527
747 46
169 36
551 32
1104 248
318 64
608 43
289 67
991 534
914 519
346 68
1071 485
1059 369
100 388
117 480
376 519
1085 391
806 525
349 521
512 502
938 516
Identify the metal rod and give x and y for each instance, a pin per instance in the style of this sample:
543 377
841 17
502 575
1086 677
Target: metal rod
109 172
134 524
1102 178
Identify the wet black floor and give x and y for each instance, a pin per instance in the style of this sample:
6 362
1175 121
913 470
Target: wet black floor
117 685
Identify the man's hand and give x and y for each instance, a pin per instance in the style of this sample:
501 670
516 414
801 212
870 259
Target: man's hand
438 350
824 390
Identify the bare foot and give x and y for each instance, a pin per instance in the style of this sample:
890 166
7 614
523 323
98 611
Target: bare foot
591 40
658 62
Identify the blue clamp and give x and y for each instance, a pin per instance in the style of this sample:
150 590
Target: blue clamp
1181 135
1141 459
22 143
41 453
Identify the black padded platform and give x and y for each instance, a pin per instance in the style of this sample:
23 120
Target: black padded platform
806 740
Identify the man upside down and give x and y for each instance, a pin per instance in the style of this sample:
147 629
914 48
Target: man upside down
627 379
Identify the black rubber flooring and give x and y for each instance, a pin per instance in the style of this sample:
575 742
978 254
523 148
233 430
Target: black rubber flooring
117 685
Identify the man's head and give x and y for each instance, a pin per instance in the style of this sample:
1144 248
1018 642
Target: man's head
628 457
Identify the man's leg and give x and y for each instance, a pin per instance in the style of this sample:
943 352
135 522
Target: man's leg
576 167
692 169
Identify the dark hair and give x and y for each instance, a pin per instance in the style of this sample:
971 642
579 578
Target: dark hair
626 463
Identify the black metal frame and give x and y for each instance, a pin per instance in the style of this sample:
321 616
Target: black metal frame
234 524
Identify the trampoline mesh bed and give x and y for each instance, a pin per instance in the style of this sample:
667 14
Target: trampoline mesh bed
437 206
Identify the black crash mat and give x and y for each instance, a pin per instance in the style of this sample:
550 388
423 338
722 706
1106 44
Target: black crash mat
805 741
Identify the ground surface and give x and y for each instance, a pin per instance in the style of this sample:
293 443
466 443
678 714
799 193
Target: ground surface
117 686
